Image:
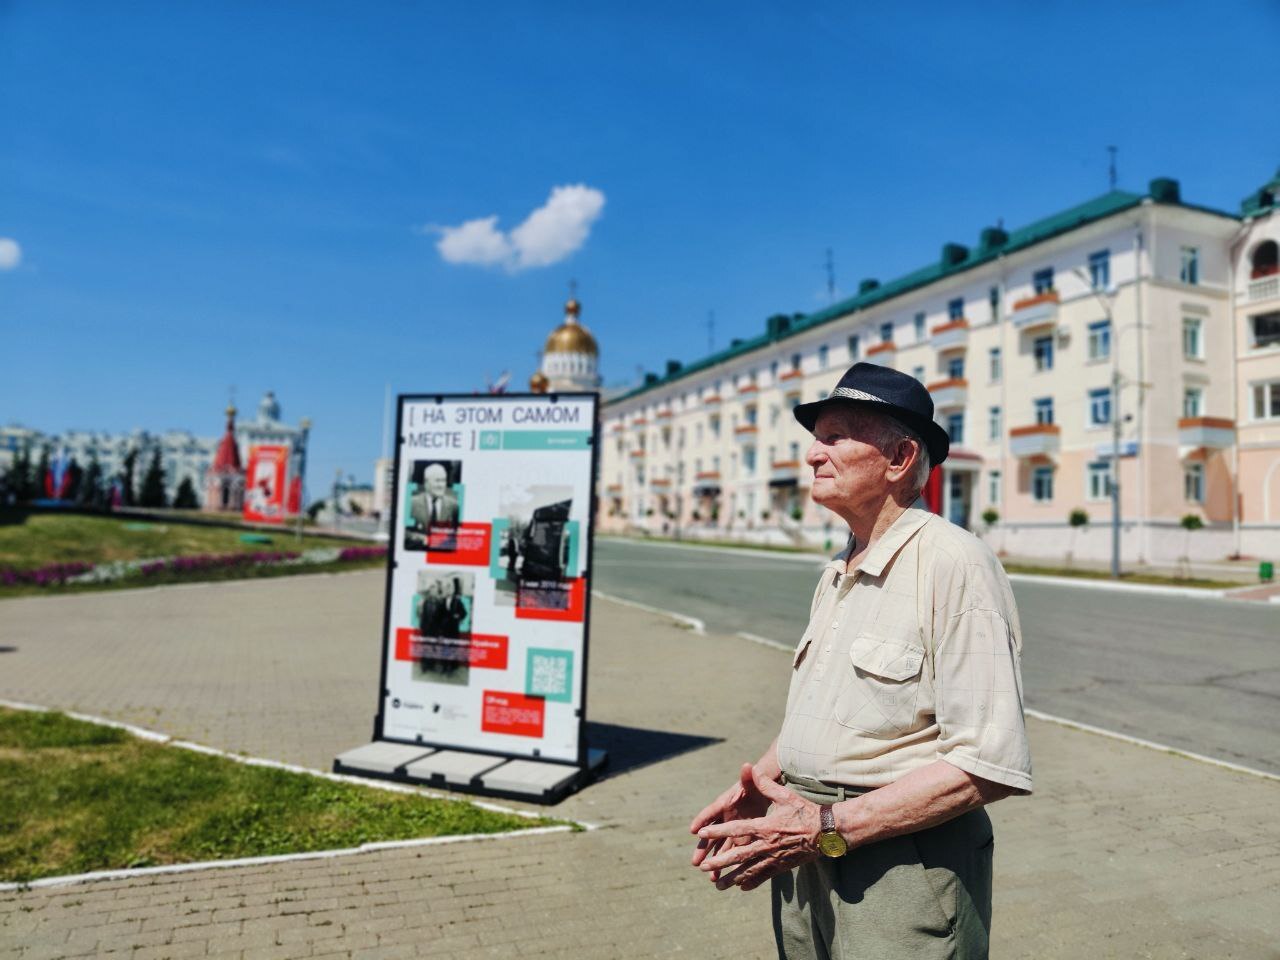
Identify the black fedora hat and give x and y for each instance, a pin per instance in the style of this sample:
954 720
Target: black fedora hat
880 388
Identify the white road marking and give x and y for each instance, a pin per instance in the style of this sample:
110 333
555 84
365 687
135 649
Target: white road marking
693 623
765 641
389 786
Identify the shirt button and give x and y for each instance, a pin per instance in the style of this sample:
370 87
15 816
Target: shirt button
834 626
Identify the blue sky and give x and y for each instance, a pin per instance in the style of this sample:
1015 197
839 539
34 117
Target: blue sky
215 194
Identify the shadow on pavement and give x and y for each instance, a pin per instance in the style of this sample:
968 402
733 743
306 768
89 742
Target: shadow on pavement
633 747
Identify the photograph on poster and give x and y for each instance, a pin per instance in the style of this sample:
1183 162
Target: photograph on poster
535 544
441 617
432 513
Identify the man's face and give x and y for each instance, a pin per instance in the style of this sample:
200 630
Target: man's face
849 470
435 480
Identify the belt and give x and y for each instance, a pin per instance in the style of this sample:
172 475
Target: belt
820 792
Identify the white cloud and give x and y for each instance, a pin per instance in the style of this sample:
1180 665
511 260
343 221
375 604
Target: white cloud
10 253
548 235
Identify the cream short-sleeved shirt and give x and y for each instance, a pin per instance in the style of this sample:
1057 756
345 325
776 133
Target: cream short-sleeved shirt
911 657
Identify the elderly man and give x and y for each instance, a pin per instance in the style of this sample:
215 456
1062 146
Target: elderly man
435 505
904 716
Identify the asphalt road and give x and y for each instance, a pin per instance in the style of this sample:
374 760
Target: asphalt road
1199 674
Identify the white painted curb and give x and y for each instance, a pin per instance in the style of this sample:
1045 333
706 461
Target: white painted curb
1092 584
693 623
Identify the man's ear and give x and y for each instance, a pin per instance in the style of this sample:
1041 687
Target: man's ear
903 460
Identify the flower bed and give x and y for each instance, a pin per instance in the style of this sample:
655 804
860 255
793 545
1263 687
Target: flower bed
44 576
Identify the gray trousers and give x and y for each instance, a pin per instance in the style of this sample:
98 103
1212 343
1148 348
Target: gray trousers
923 896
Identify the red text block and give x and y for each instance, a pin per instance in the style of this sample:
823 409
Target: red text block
572 608
469 545
512 713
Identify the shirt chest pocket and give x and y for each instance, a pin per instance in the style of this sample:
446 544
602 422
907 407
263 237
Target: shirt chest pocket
881 685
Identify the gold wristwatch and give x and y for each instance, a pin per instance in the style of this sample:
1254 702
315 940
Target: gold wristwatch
829 840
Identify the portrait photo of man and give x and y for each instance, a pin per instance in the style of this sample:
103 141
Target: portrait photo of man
433 514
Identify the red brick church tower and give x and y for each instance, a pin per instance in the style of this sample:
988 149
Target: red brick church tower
224 483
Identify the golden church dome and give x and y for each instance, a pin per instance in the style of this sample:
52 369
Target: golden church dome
538 382
571 336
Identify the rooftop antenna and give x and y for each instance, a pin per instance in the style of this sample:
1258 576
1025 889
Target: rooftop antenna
1111 171
831 277
711 331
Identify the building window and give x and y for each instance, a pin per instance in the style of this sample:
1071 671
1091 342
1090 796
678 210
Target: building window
955 368
1266 330
715 464
1100 270
697 434
1189 271
773 371
1042 281
1193 482
993 364
993 299
1099 407
1042 349
886 332
1266 401
918 320
1192 402
918 373
1042 484
795 450
994 424
750 414
1044 410
715 427
1100 340
749 461
1192 338
1098 480
822 357
993 486
955 427
955 309
795 361
855 350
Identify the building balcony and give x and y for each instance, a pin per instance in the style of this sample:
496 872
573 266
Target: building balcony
1213 432
711 400
1038 311
613 488
793 374
748 389
1035 440
746 431
663 415
784 473
881 349
705 476
948 394
639 423
660 483
637 454
1265 288
953 335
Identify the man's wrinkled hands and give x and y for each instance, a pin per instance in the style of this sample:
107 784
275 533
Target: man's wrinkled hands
761 846
742 801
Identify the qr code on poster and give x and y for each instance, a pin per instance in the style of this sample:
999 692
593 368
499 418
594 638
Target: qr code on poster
548 674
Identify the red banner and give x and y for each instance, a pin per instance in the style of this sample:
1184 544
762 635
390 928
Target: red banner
265 483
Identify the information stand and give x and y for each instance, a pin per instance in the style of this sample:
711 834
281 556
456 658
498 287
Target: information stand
484 643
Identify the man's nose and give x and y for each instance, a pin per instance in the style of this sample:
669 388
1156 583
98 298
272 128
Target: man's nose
815 454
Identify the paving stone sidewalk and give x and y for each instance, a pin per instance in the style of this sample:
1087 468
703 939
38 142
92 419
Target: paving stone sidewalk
1122 852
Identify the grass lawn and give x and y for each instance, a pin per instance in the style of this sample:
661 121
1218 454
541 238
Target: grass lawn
30 539
77 797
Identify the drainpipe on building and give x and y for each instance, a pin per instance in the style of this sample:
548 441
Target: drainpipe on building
1001 319
1236 547
1144 521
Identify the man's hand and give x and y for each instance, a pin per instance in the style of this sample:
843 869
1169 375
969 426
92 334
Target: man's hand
764 846
742 801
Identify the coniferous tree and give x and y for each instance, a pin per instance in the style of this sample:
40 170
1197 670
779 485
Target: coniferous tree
42 473
185 498
127 467
152 493
20 474
90 491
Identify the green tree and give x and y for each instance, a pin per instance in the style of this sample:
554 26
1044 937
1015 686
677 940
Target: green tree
990 517
1190 523
152 493
91 493
41 472
1077 518
185 498
128 466
20 474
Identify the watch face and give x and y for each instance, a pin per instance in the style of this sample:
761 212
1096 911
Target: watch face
832 844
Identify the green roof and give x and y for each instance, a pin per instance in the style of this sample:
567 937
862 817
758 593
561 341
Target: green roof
955 260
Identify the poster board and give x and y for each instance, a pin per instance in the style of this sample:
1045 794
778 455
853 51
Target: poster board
266 480
484 643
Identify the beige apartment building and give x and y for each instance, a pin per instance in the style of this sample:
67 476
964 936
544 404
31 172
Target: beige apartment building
1022 340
